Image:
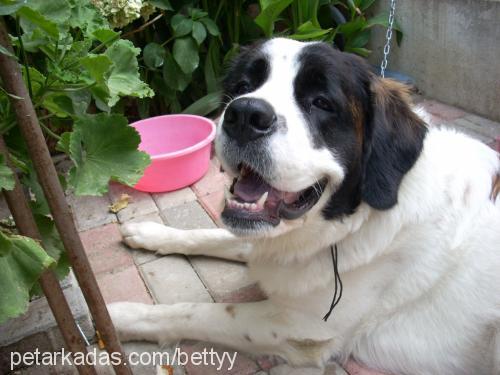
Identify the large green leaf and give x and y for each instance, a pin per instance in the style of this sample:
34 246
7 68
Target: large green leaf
307 31
53 247
173 75
10 6
6 176
199 32
186 54
104 147
154 55
205 105
87 17
31 19
271 9
181 25
124 77
22 261
211 26
58 11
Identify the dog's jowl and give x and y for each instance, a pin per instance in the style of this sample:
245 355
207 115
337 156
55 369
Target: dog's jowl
324 155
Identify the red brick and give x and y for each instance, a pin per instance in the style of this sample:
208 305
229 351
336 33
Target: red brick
243 365
213 203
213 181
123 285
105 249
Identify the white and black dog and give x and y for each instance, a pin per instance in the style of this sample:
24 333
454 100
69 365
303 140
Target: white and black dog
336 174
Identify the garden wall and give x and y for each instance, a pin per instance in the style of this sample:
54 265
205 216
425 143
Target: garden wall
451 48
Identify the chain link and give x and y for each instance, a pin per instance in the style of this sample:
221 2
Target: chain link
388 37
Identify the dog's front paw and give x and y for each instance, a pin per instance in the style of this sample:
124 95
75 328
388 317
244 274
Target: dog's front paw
152 236
131 321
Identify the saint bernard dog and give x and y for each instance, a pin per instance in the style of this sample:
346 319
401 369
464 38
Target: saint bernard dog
341 187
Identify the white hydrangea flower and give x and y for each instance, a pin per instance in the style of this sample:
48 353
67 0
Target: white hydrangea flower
121 12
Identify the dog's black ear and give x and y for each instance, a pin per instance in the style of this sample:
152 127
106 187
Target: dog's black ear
394 137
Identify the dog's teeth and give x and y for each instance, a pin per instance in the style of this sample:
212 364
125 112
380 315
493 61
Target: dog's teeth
253 207
262 199
227 194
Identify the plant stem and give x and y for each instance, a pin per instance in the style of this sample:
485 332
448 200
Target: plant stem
23 54
48 131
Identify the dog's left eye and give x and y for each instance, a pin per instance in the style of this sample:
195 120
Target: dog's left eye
242 88
322 103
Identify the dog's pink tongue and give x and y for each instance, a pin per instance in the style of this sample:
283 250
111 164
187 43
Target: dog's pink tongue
250 187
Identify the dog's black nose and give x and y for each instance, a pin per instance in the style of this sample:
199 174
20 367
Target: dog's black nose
247 119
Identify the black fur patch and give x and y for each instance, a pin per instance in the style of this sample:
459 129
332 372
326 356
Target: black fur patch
365 122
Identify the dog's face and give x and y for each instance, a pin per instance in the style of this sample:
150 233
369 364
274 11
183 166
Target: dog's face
310 131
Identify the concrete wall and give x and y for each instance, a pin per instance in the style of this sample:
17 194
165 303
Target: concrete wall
451 48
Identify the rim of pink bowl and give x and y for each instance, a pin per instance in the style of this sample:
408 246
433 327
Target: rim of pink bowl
187 150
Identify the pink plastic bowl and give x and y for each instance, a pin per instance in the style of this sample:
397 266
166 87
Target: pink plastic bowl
179 146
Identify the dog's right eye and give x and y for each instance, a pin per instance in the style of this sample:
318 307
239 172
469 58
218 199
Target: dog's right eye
242 88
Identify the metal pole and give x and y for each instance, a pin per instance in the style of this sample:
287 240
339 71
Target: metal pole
47 176
25 223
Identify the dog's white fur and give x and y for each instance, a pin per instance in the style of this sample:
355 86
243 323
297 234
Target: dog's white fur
421 280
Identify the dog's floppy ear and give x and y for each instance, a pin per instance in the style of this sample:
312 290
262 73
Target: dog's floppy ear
394 138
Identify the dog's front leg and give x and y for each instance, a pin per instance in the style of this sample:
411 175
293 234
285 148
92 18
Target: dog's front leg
218 242
258 327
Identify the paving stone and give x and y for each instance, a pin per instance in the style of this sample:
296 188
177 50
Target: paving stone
171 279
174 198
91 212
105 249
188 216
145 353
221 277
288 370
251 293
123 285
144 256
27 344
243 365
442 111
213 204
484 126
214 180
140 203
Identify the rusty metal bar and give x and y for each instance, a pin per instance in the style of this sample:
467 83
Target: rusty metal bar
47 176
25 223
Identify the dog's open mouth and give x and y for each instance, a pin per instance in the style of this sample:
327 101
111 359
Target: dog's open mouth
251 198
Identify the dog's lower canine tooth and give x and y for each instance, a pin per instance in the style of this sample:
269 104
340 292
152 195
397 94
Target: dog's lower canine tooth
262 199
227 194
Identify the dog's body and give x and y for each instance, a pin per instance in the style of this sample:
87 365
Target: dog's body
420 269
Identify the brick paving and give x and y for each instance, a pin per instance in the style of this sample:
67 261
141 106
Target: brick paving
133 275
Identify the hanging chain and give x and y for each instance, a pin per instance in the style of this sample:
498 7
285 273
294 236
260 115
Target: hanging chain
388 37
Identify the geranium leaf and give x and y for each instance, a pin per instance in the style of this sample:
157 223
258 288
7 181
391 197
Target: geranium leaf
6 176
104 147
124 77
22 261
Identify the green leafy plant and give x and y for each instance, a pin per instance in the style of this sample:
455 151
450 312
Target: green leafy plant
78 71
187 45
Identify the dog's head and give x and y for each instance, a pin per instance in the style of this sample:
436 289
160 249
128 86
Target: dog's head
311 131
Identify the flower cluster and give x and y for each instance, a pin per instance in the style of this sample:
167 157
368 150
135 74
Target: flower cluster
121 12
